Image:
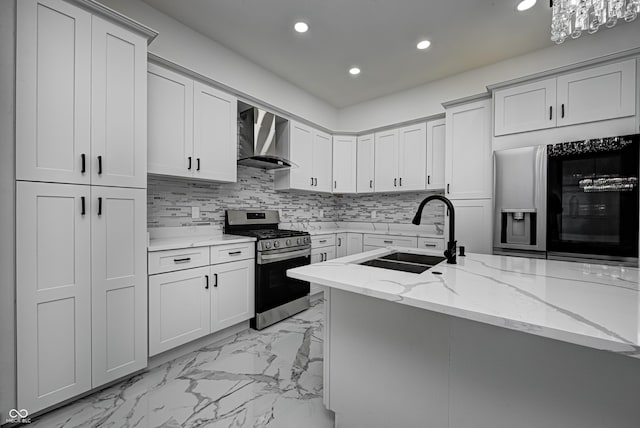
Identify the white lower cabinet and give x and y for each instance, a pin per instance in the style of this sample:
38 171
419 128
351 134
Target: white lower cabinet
322 254
341 244
474 224
81 289
381 241
179 308
354 243
187 304
232 293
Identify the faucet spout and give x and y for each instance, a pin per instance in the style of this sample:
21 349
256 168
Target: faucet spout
450 252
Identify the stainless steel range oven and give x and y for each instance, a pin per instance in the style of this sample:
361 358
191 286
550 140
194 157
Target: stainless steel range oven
592 199
277 250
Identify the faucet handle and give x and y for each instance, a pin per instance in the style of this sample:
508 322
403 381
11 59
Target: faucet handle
461 253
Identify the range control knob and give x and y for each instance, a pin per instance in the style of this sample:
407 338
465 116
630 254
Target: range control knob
298 241
267 245
306 239
288 242
276 244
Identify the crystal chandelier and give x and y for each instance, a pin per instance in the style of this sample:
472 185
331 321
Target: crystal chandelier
573 17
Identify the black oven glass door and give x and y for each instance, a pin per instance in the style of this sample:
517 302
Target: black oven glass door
275 288
592 197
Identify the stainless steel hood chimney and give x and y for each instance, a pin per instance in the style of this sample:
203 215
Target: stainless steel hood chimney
257 140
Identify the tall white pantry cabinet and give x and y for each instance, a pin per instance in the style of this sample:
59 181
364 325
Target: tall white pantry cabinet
81 146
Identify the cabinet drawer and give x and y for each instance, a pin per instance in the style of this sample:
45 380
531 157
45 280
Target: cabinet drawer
431 243
232 252
172 260
387 240
323 240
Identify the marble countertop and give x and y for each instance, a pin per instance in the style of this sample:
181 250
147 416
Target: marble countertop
592 305
400 229
376 232
172 243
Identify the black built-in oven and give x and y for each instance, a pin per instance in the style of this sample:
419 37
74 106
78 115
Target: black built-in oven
592 199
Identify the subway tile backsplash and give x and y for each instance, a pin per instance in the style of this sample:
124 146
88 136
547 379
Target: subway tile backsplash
169 202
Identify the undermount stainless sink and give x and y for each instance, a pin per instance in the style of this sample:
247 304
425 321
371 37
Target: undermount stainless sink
406 262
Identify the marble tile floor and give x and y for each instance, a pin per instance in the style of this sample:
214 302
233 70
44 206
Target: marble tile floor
268 378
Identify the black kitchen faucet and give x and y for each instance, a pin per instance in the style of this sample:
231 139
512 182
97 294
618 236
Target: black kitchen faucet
450 252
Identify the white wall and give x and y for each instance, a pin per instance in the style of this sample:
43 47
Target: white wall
192 50
426 100
7 208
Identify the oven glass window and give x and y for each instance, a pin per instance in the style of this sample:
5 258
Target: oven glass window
592 200
275 288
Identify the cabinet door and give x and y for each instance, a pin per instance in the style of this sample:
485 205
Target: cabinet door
118 106
301 153
53 92
386 161
525 107
354 243
341 244
329 253
412 157
53 278
119 282
233 293
469 165
435 154
215 140
344 164
170 111
473 224
598 93
322 162
179 308
365 164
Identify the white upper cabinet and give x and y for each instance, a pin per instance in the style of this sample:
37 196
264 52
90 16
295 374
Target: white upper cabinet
469 163
525 107
365 164
53 92
214 134
344 164
170 111
597 93
436 142
401 159
192 128
311 150
118 106
386 161
412 157
119 282
322 162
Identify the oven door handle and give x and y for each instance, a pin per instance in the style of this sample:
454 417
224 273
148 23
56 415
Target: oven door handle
271 258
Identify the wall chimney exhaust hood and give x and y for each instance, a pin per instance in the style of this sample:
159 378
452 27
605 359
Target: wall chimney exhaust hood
258 139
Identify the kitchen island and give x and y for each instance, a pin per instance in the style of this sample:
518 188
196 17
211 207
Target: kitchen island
492 341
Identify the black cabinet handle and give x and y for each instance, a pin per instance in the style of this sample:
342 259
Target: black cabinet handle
206 282
550 112
235 253
311 181
315 181
322 241
82 203
428 179
395 182
198 164
335 184
215 280
189 164
430 245
99 165
448 188
562 111
99 206
400 181
84 163
388 242
183 260
339 242
370 184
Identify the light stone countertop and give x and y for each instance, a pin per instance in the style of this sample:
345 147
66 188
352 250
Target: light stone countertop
592 305
173 243
322 228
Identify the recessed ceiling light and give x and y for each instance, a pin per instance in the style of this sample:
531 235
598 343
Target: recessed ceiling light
354 71
525 4
423 44
301 27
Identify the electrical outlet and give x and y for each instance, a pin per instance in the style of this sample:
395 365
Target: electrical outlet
195 212
374 214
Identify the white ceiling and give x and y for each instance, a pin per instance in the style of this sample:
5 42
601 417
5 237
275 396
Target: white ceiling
379 36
